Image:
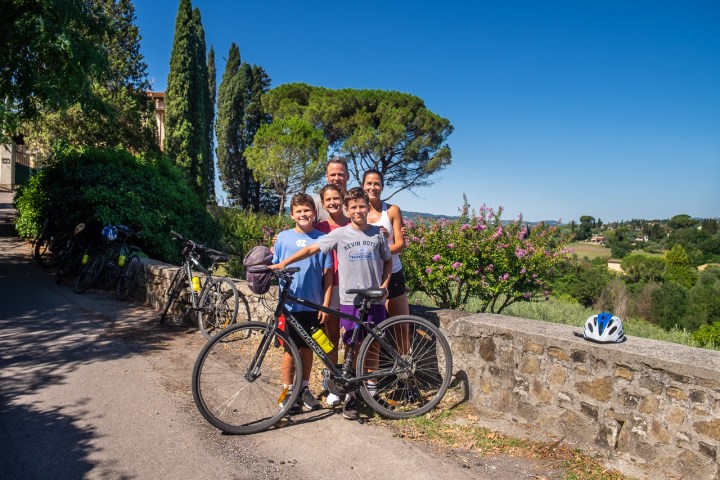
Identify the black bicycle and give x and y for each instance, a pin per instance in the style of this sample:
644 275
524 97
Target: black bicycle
216 300
238 380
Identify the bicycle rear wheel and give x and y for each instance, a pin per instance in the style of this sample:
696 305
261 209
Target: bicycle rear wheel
131 277
235 393
43 250
218 306
89 274
415 385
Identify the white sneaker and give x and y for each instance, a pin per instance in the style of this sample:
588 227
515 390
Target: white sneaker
332 400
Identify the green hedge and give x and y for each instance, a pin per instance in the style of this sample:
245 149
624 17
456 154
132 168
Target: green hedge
111 186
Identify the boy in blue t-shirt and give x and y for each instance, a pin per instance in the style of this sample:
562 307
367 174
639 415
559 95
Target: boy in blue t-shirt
313 282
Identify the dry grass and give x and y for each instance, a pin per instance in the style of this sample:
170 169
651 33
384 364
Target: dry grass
458 428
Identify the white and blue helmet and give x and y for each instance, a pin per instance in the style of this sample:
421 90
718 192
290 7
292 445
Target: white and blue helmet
109 233
604 328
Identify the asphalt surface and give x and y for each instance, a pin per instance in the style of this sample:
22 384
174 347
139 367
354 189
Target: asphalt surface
94 388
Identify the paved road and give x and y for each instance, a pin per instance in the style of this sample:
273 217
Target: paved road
93 388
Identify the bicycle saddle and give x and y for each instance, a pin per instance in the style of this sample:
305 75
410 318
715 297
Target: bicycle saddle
368 292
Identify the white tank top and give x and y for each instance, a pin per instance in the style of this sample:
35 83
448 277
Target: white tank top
384 221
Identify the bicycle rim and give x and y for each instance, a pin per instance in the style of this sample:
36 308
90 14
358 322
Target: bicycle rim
89 274
128 281
218 307
418 386
226 393
43 251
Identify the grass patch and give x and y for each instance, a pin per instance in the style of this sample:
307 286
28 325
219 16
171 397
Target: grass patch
589 250
459 429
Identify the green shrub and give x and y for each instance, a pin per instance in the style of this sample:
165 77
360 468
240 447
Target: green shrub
708 334
243 230
111 186
583 280
480 256
669 305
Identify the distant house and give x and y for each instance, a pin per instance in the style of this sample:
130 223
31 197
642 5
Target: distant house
159 100
641 239
598 239
17 163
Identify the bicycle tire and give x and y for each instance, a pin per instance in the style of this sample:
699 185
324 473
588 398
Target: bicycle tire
130 278
68 262
89 274
223 391
414 390
173 292
218 306
42 253
110 274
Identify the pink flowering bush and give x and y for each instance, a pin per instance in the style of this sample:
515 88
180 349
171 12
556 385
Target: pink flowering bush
479 256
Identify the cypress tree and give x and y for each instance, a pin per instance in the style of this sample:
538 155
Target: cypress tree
186 100
203 109
212 94
240 115
229 118
262 199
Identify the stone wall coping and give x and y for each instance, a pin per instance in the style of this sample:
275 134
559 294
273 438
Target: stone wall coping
676 358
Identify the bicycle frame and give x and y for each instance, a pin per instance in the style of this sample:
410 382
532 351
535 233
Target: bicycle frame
360 323
192 261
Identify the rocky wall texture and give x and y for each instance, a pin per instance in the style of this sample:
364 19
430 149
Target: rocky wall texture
652 406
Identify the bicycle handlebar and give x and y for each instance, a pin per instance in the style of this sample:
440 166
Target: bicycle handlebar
195 245
267 269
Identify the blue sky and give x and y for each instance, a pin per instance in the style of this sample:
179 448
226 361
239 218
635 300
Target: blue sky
560 108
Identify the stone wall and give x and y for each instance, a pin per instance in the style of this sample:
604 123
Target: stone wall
159 275
652 408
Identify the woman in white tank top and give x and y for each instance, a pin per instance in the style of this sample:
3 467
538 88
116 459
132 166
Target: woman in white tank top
390 217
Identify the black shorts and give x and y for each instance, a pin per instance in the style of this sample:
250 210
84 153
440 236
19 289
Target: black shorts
396 287
307 319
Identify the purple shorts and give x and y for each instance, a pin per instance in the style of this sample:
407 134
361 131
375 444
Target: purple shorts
376 315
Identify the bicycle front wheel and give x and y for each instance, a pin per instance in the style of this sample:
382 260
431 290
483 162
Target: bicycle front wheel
173 292
218 306
413 373
238 380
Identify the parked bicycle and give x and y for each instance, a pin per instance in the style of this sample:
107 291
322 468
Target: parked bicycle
108 264
48 243
238 380
131 271
74 251
216 300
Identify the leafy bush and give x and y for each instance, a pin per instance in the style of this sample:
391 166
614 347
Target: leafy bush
708 334
111 186
480 256
243 230
643 268
704 300
669 305
583 280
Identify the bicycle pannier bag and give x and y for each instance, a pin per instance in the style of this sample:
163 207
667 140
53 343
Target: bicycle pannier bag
258 283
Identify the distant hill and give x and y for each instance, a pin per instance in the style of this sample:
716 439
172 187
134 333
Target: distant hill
415 215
